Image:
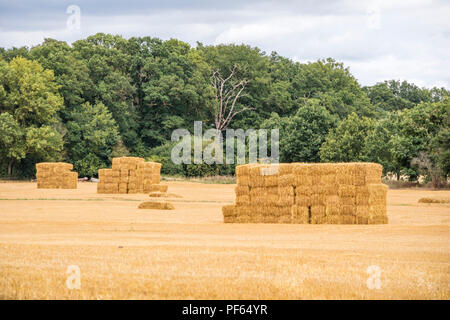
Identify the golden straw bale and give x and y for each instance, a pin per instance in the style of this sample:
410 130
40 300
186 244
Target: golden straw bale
362 211
271 180
345 173
158 187
160 205
377 210
158 194
347 191
368 173
348 201
378 220
243 180
257 192
303 190
258 200
348 219
303 201
229 211
271 190
242 190
286 180
348 210
272 199
300 214
318 199
114 173
243 199
332 205
286 196
256 181
378 193
330 189
317 211
334 219
362 220
318 219
285 168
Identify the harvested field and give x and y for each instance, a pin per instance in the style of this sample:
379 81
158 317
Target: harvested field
124 252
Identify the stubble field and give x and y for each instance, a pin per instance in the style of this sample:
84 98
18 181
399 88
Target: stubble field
188 253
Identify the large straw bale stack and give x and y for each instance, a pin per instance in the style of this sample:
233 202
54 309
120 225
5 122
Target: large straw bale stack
130 175
333 193
56 175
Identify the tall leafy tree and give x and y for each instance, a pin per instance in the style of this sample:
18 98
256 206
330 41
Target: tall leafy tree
29 102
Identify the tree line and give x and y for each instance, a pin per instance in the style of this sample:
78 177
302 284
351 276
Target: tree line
107 96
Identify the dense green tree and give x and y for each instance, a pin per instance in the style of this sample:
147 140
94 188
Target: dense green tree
302 135
29 102
92 135
346 142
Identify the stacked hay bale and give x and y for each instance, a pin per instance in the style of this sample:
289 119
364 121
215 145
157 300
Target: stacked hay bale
129 175
332 193
56 175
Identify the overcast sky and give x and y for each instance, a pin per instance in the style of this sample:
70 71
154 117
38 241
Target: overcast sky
378 40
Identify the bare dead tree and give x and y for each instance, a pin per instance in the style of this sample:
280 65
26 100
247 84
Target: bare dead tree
227 93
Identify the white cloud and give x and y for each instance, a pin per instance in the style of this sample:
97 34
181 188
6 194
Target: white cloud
378 40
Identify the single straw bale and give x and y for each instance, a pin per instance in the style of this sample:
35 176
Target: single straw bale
257 192
362 220
348 210
377 194
242 190
116 161
318 220
378 220
286 196
318 211
272 199
243 180
300 214
330 189
156 178
123 187
301 190
348 219
159 187
333 219
303 201
345 173
115 173
318 199
243 200
368 173
348 201
377 210
229 211
332 205
362 195
347 191
270 180
256 179
363 211
159 205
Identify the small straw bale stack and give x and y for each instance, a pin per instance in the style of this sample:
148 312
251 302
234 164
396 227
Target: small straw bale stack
322 193
56 175
129 175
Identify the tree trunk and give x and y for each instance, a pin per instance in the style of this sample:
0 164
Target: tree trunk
10 165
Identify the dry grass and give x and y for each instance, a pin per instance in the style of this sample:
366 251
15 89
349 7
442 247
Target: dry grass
434 200
124 253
